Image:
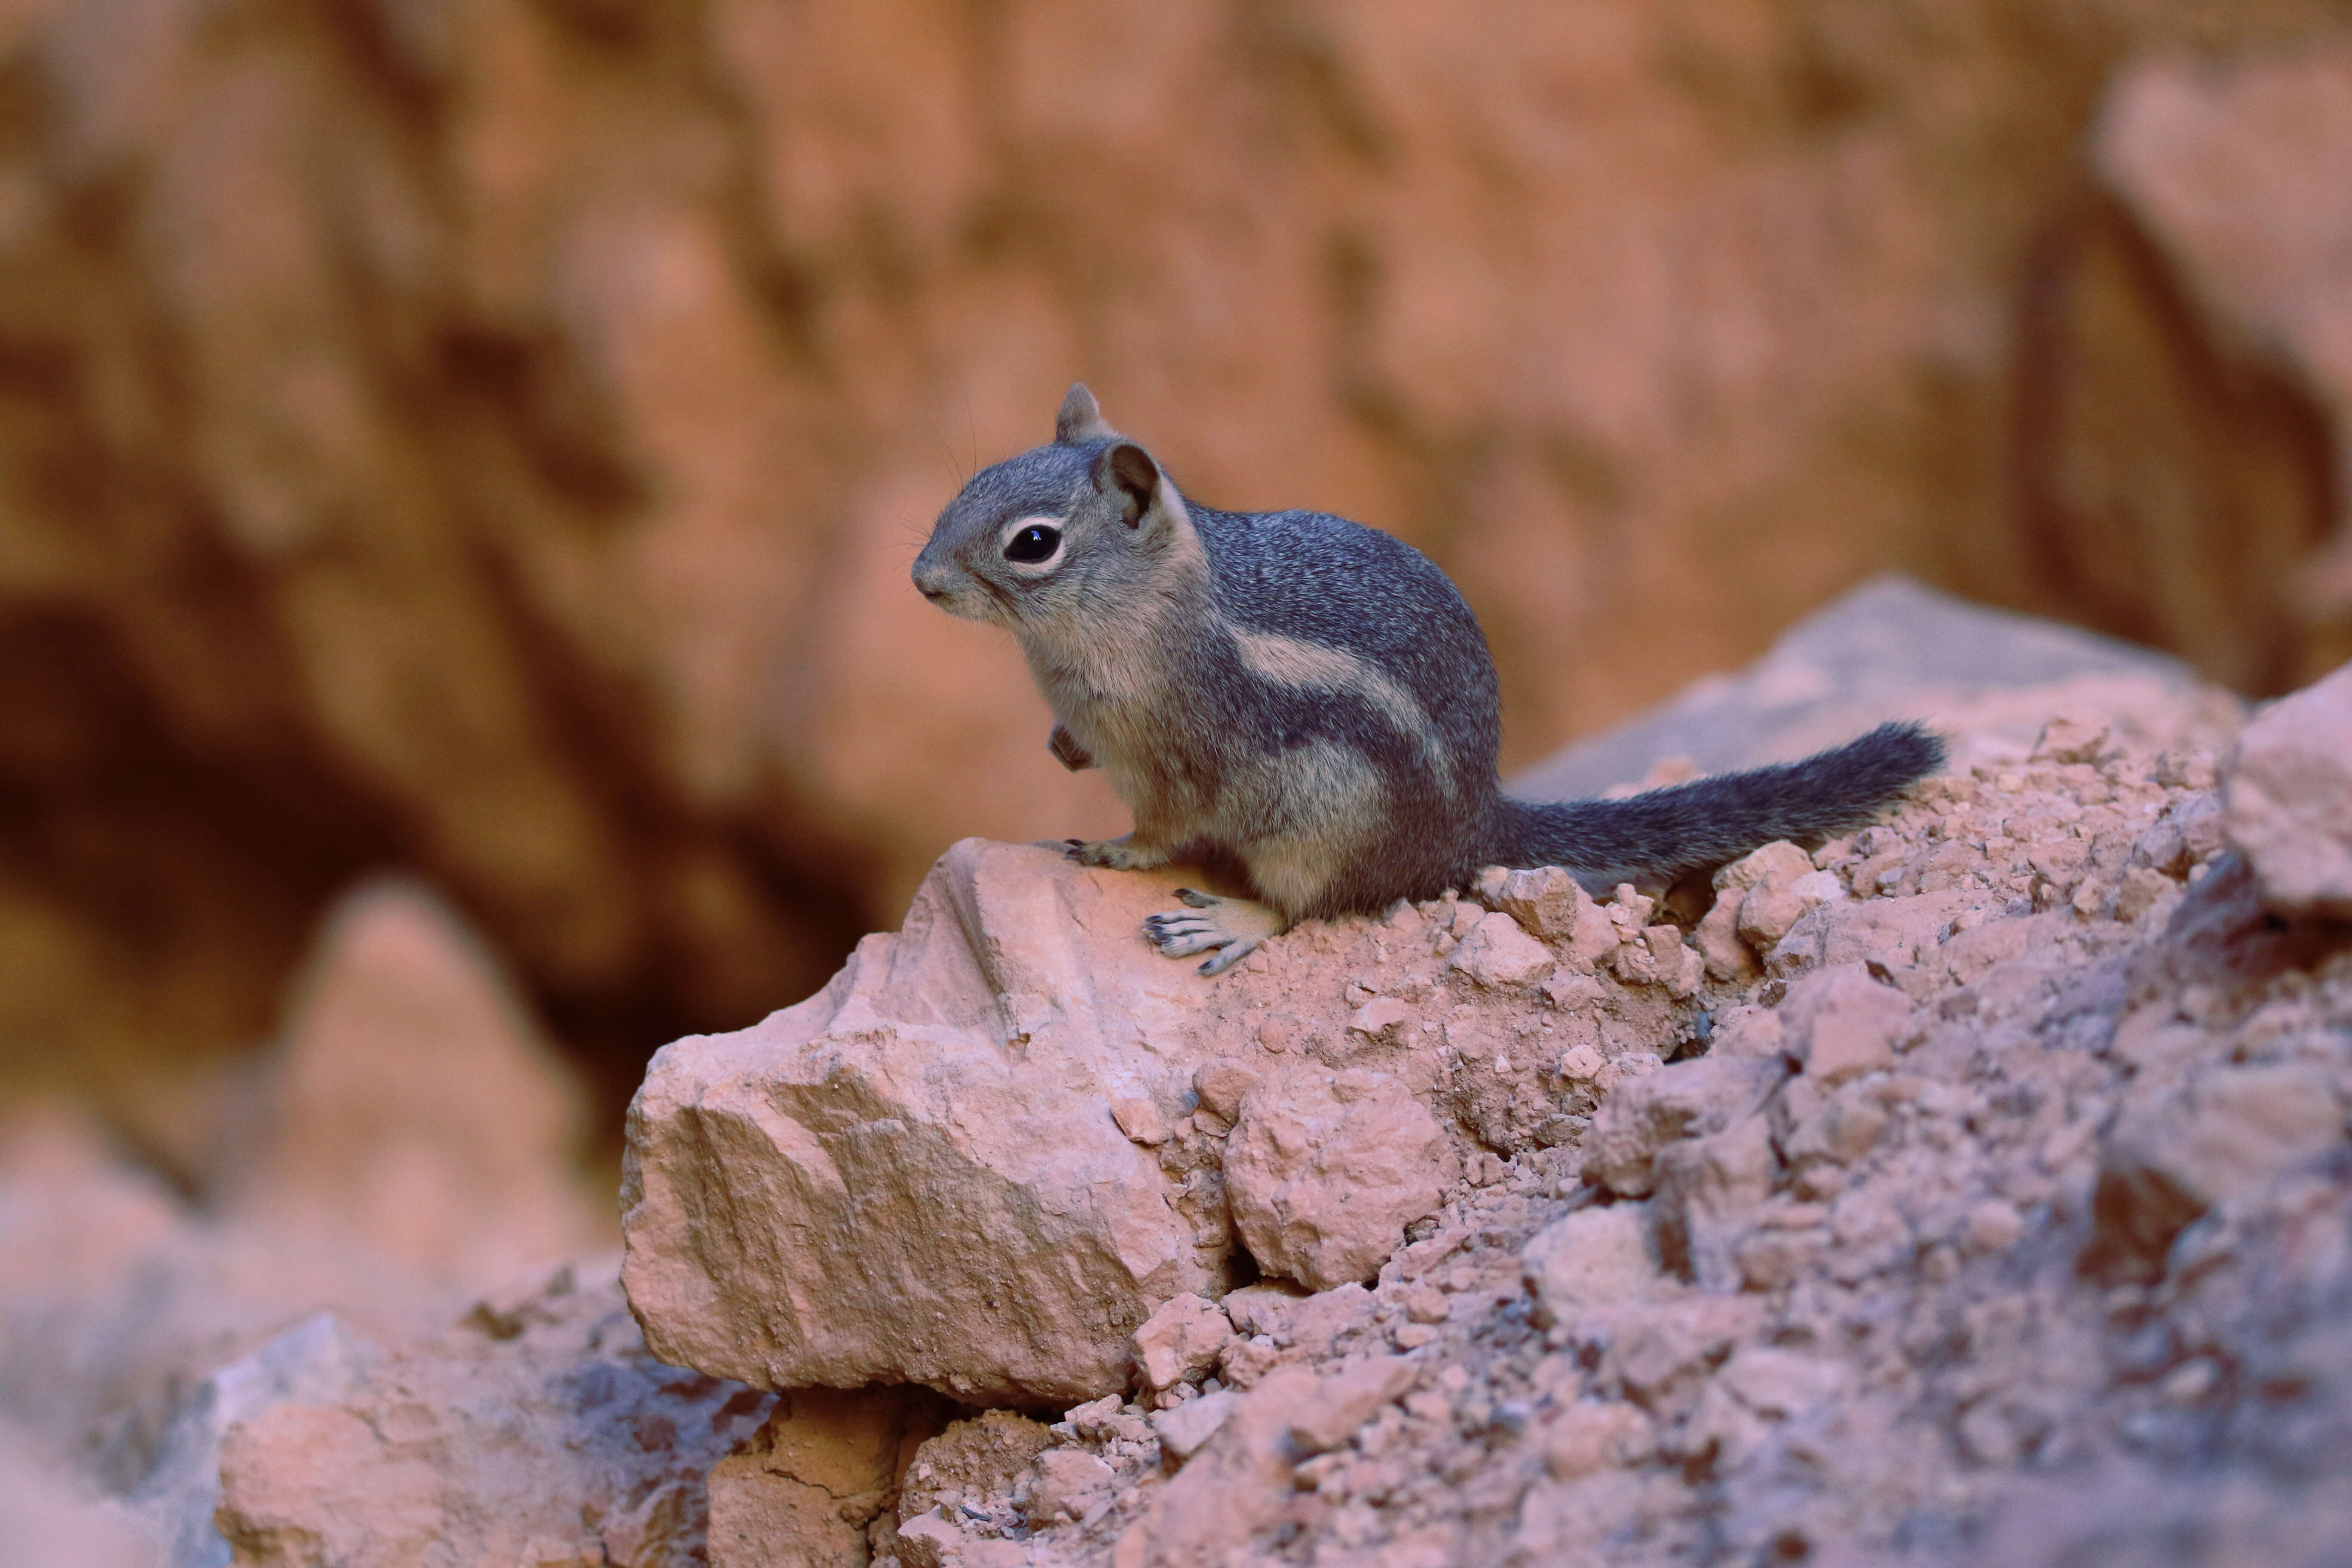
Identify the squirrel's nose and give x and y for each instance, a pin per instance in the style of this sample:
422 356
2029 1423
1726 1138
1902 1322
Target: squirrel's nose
931 580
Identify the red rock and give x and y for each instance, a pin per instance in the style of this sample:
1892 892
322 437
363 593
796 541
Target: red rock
2288 799
1841 1024
1326 1171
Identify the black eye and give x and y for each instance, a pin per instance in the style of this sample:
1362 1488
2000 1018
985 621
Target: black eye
1034 542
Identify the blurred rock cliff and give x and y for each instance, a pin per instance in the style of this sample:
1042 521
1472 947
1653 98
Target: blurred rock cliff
488 437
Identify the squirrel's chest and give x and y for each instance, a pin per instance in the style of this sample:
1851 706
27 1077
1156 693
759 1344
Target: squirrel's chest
1150 707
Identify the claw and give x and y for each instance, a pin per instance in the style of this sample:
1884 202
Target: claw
1180 933
1234 953
1197 900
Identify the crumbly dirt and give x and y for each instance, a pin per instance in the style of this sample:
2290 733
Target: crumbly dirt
1948 1299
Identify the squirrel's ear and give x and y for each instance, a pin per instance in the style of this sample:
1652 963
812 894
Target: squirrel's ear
1080 419
1127 473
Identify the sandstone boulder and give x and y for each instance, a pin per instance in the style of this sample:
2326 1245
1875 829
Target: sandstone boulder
539 1432
2230 167
2288 799
416 1111
915 1176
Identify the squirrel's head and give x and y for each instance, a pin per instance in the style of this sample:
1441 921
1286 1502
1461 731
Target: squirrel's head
1084 528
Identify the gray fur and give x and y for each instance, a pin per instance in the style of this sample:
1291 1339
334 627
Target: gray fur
1310 698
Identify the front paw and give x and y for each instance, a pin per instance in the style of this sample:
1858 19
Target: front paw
1111 854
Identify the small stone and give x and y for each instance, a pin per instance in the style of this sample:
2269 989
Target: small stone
1185 1335
1140 1120
2288 800
1833 1127
1498 954
1423 1304
2071 737
1757 1033
1771 902
1247 1360
1988 1437
1729 958
2192 770
1278 1032
1708 1191
2141 890
1221 1085
1991 1226
1553 906
1182 1430
1382 1020
1781 1382
1841 1024
1590 1435
1568 989
1581 1064
1674 966
1694 1098
2190 1382
1770 1260
1068 1482
1590 1257
1325 1170
1344 1400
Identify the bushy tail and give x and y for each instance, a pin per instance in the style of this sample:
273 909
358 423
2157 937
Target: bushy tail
1707 822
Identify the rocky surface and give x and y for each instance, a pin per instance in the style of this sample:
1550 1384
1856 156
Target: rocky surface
2288 800
409 1143
539 1431
483 436
1973 1189
960 1163
1985 1197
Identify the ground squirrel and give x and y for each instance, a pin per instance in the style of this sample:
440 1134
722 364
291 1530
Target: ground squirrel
1309 701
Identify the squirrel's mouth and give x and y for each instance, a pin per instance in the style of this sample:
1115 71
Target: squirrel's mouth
966 605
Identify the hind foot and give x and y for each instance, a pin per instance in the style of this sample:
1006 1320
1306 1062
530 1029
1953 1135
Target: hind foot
1236 927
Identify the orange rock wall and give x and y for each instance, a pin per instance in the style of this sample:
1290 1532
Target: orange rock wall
489 435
